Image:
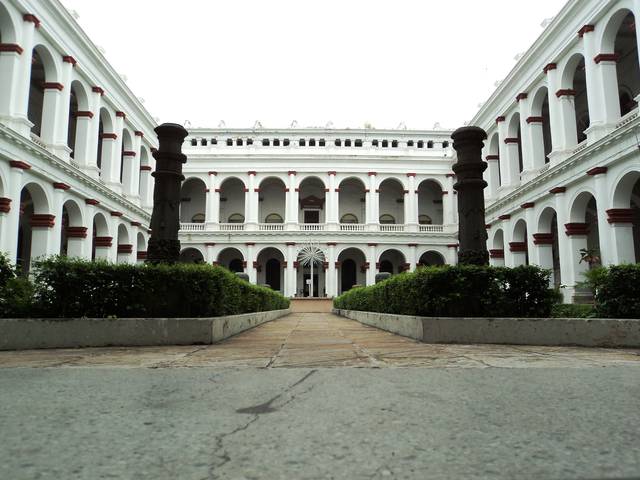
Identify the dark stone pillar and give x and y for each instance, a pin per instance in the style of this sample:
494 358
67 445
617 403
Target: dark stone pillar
468 143
164 246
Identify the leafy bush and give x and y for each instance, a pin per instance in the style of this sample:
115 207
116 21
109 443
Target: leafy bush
65 288
616 291
460 291
570 310
16 293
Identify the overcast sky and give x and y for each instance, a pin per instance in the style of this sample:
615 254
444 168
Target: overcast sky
347 61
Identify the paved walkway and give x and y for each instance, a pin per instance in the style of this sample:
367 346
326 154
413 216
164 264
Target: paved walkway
324 340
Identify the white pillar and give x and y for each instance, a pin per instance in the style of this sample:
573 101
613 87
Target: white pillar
54 96
20 106
88 134
535 133
212 213
146 182
595 90
333 202
9 77
291 204
373 201
621 228
604 231
566 252
526 140
413 259
504 155
558 134
410 204
61 129
448 200
129 164
251 260
42 239
332 273
290 272
371 260
13 217
493 175
110 151
56 230
251 202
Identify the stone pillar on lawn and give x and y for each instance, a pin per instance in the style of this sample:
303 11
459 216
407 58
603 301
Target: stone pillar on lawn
468 143
164 246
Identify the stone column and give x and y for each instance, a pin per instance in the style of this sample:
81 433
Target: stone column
290 271
577 233
621 227
558 139
61 130
41 235
468 143
565 249
291 197
251 263
56 230
374 200
543 253
448 211
13 218
212 208
104 245
20 107
373 265
526 140
503 155
164 245
10 57
535 129
410 203
493 162
54 95
332 272
251 202
332 204
413 259
595 93
602 204
146 186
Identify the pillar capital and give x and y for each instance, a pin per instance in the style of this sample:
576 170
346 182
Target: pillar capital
620 215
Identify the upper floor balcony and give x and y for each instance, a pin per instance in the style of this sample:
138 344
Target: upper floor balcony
316 227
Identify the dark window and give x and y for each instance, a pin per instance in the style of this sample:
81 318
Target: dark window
312 142
265 142
420 144
429 144
276 142
445 144
214 141
239 142
229 142
374 143
322 143
358 143
385 144
347 143
302 142
249 141
285 142
203 142
410 143
194 142
394 143
338 142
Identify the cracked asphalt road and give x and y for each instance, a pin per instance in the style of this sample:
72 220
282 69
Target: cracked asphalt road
284 401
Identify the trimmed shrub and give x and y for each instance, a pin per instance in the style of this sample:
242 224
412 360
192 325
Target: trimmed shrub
72 288
460 291
616 291
569 310
16 292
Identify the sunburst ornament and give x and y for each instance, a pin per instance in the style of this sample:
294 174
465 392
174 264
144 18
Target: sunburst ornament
310 255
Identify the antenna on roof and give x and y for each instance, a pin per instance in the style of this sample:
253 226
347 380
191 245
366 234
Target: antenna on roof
294 124
222 124
329 124
401 126
257 124
186 124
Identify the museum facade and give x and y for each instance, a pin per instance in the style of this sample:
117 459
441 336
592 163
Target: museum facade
562 152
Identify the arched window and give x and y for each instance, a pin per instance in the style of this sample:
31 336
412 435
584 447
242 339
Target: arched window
349 218
198 218
273 218
424 220
236 218
387 219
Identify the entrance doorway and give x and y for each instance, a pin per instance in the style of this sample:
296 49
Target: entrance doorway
272 274
348 273
306 277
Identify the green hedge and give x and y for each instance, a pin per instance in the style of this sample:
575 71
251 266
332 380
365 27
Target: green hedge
571 310
616 291
16 292
72 288
460 291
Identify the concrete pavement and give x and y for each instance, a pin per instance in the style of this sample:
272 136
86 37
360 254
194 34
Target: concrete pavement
408 410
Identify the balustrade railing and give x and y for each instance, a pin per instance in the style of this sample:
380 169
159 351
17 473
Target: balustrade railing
273 227
234 227
312 227
431 228
352 227
192 227
392 228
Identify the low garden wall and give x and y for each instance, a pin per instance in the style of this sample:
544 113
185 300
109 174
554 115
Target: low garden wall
586 332
29 333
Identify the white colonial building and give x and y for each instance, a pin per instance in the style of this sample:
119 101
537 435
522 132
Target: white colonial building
372 200
563 174
563 147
